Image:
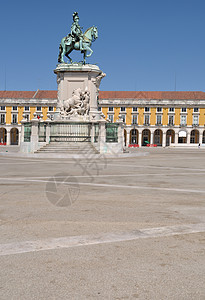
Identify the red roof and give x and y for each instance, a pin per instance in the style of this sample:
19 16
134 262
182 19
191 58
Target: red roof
43 94
39 94
151 95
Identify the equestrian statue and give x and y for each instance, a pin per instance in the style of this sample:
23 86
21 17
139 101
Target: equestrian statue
77 40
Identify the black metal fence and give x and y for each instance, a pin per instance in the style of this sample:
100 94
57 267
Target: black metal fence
27 132
70 132
111 132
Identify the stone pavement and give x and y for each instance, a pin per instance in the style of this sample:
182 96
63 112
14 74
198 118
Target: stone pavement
120 228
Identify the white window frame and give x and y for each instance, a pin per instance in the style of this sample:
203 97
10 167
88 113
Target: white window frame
195 117
145 117
183 120
13 118
134 117
171 117
159 123
171 109
3 114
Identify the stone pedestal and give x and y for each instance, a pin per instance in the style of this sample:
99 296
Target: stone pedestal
73 76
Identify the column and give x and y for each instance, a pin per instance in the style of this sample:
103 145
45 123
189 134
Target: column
152 138
120 136
140 139
128 137
200 137
48 131
102 135
188 137
164 139
92 133
8 138
34 134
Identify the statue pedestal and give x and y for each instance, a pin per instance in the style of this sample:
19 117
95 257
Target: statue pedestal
73 76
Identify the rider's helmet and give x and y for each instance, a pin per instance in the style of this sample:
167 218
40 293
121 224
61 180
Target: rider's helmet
75 16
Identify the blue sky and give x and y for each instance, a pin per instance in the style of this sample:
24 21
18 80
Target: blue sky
142 45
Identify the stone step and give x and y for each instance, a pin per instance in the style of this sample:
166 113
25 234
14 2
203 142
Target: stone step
69 148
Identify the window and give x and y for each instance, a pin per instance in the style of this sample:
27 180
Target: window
146 119
171 120
38 108
14 118
123 109
50 108
3 107
134 109
146 109
134 119
2 119
27 116
183 120
171 109
123 118
159 119
183 109
195 120
159 109
14 107
110 108
196 109
99 108
110 118
26 108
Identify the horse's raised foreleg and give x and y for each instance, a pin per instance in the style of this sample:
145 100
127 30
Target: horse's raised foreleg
89 49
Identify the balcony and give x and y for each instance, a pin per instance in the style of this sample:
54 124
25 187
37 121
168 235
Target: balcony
195 125
183 125
170 124
146 124
158 124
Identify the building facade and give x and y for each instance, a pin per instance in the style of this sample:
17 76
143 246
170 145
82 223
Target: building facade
150 118
157 118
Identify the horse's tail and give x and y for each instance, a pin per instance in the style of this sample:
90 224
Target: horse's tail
60 52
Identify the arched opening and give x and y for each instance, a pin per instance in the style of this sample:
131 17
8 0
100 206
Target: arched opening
125 138
146 137
182 137
203 137
170 137
194 137
3 136
134 136
14 134
158 137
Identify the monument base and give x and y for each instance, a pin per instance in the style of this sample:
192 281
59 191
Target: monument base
78 90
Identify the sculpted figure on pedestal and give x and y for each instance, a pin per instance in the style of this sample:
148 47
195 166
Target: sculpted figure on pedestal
78 104
76 40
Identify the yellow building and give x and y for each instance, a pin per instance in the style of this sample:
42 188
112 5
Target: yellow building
156 118
15 104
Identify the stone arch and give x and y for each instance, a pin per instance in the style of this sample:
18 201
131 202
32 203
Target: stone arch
158 137
182 137
194 136
170 137
3 135
146 134
134 134
14 136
